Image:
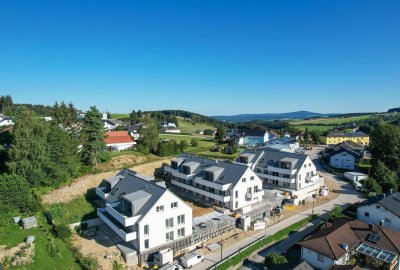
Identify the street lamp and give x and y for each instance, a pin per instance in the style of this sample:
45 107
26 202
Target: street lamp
314 196
221 248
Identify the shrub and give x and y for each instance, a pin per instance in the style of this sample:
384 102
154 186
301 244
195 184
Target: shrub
117 266
274 258
143 149
208 132
52 248
62 231
88 263
194 143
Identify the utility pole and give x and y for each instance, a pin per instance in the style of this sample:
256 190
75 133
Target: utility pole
313 199
221 248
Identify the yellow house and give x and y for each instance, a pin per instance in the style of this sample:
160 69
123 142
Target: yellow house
339 137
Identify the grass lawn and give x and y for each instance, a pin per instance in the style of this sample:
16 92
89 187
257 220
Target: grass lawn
312 127
80 208
188 127
119 115
11 235
330 120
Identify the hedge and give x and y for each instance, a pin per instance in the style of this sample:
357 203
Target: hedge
235 260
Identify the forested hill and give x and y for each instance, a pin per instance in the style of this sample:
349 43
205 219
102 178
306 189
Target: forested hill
271 116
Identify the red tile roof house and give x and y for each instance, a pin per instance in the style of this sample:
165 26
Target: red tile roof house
374 246
118 140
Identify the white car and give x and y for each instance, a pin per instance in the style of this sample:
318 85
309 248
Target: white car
191 259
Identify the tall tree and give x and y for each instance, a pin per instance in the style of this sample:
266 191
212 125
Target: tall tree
385 146
93 147
5 102
384 176
133 117
149 135
28 156
221 133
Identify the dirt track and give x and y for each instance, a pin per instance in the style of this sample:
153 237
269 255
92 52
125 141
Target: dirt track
81 185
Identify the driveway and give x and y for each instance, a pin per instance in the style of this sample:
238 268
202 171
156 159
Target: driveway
347 195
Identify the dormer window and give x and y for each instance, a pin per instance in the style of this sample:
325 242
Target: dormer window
174 165
208 176
186 170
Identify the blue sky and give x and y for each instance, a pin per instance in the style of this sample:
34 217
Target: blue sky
208 56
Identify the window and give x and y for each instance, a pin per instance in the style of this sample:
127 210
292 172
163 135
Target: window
174 205
146 243
181 219
236 204
169 223
146 229
236 194
169 236
366 214
251 177
244 180
321 257
174 165
160 208
378 206
249 189
121 195
181 232
255 188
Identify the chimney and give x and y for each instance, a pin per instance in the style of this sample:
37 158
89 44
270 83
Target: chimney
391 191
345 246
371 227
381 222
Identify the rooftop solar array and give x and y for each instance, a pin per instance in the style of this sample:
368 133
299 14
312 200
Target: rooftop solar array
377 253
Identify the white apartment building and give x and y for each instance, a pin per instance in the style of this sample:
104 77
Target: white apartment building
230 185
146 215
288 172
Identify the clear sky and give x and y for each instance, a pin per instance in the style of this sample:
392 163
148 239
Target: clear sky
208 56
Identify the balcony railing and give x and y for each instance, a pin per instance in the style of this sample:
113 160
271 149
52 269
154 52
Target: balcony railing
125 234
202 192
100 191
120 217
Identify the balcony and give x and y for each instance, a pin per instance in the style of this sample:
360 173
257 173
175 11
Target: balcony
202 192
211 184
313 178
176 173
122 232
281 170
279 178
253 195
100 192
113 210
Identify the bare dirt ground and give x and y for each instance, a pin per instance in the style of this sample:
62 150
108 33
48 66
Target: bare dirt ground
81 185
118 162
197 209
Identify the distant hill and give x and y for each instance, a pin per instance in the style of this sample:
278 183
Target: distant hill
271 116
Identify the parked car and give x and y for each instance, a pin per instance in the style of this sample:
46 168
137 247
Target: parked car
191 259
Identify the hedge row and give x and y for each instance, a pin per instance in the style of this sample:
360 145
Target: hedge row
268 240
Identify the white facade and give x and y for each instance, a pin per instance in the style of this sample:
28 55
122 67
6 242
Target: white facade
375 214
120 146
6 122
343 160
288 142
355 176
320 261
110 125
156 222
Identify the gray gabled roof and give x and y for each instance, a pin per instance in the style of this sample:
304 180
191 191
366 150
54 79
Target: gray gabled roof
139 190
230 173
271 157
392 203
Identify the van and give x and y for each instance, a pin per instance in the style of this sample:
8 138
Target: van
191 259
358 186
171 266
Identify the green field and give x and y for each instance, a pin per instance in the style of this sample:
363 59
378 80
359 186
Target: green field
330 120
188 127
11 235
119 115
203 147
316 128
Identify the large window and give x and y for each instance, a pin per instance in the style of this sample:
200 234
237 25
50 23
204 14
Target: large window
169 223
181 219
160 208
146 243
169 236
174 205
181 232
146 229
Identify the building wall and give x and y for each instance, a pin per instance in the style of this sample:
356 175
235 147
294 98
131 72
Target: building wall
311 257
156 222
120 146
342 160
337 140
241 189
253 140
307 169
377 214
7 123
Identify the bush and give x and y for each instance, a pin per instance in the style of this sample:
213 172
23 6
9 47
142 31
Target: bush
274 258
194 143
208 132
88 263
52 248
117 266
143 149
62 231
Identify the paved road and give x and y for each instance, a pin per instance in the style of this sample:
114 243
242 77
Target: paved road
348 195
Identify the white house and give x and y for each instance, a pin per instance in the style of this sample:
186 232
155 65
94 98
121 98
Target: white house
111 124
6 121
289 172
289 143
376 247
344 159
144 214
232 186
134 130
248 137
383 210
119 140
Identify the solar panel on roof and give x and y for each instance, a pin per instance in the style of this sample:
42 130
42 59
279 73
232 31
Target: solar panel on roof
374 238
